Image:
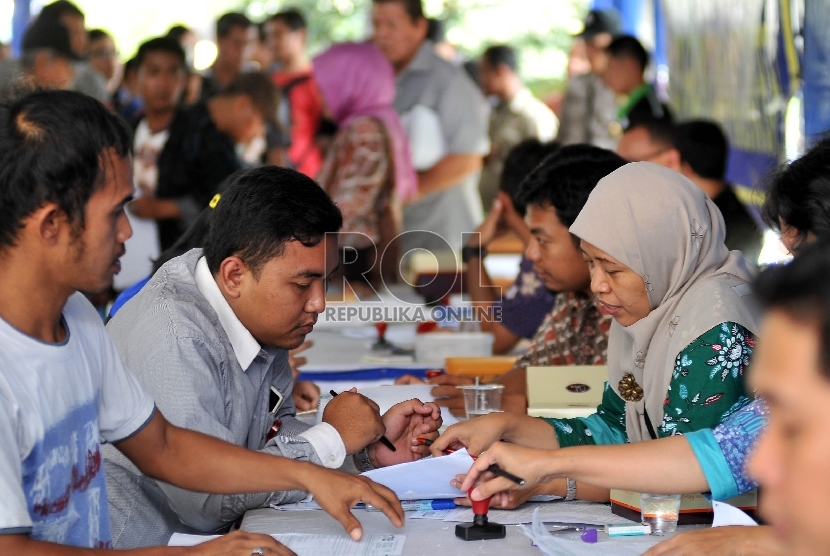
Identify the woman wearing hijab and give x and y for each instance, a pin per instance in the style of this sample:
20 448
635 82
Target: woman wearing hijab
684 322
798 206
367 170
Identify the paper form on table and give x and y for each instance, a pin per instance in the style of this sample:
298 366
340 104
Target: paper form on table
427 478
727 515
313 545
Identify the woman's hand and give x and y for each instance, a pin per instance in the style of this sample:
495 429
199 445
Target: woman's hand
531 464
480 433
405 422
505 500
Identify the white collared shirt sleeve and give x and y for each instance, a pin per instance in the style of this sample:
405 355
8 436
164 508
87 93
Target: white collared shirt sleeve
326 441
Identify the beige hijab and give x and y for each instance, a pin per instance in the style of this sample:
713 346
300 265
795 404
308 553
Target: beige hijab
662 226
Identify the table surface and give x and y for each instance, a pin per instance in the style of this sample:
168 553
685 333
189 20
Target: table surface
423 536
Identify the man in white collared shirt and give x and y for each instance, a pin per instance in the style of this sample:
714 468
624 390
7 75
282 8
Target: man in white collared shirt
208 336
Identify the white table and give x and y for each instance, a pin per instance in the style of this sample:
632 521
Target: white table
423 536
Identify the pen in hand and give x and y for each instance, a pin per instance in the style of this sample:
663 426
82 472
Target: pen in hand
383 440
496 470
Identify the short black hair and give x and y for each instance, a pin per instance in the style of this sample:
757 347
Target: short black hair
131 65
226 23
661 132
520 161
413 8
565 179
702 144
802 290
168 45
799 193
627 46
98 34
261 90
56 10
52 148
292 18
177 32
499 54
436 30
261 210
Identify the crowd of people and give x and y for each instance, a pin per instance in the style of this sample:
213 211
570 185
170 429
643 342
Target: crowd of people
218 205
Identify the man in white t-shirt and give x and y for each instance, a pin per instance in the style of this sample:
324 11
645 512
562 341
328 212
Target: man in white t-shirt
63 389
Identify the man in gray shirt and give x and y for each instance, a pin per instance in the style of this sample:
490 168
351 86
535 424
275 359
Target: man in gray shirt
208 336
446 118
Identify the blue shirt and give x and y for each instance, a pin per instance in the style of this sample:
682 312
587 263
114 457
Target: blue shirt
722 452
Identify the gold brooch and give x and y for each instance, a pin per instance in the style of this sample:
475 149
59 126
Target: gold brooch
630 391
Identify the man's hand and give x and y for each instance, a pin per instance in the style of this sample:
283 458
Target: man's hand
356 418
447 395
295 360
512 218
488 229
723 541
240 543
306 394
410 379
405 422
338 492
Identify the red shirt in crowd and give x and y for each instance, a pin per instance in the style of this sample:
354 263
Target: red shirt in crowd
306 110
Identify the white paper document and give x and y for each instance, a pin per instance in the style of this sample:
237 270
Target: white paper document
551 512
387 396
438 515
425 479
305 505
727 515
314 545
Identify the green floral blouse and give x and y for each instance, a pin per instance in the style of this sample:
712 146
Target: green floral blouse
707 381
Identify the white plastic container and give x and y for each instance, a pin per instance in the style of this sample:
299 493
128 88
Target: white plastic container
433 348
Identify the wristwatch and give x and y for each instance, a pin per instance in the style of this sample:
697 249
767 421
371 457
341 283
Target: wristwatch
570 493
364 462
472 251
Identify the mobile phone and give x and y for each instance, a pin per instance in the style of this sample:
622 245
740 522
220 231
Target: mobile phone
275 400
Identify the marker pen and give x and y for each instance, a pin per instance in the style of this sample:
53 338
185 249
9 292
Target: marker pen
422 505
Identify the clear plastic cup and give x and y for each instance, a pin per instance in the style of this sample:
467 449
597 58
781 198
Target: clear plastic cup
660 512
481 399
